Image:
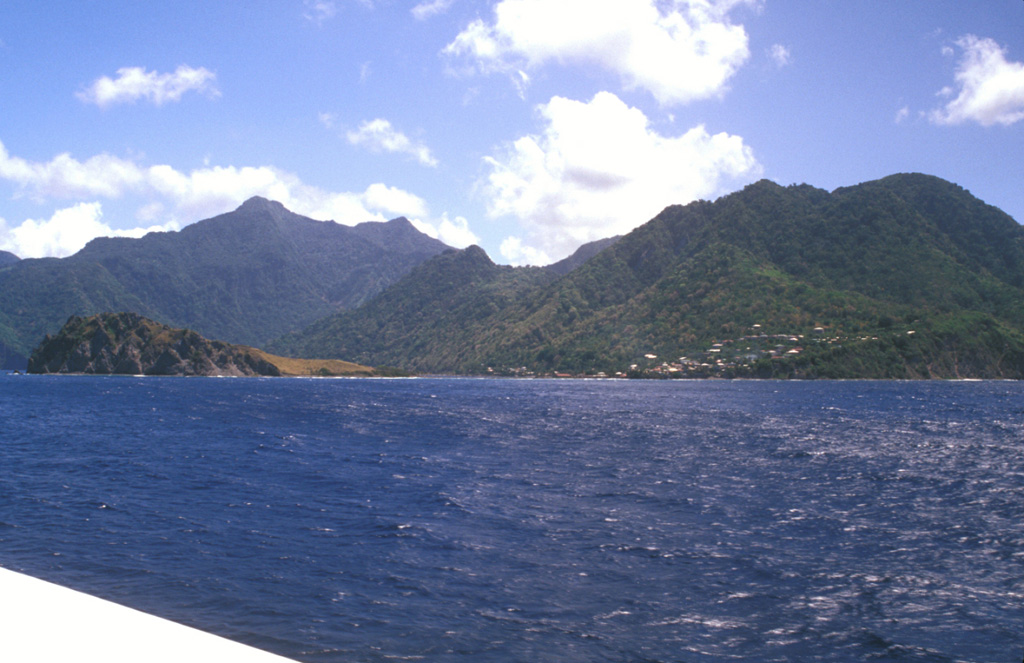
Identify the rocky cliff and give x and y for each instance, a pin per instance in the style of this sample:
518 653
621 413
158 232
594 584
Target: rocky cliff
127 343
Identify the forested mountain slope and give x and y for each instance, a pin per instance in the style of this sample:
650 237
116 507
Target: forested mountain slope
246 276
907 276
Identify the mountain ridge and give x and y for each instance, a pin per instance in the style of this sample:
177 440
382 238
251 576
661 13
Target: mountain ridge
912 261
245 276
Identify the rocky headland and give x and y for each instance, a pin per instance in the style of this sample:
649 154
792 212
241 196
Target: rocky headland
130 344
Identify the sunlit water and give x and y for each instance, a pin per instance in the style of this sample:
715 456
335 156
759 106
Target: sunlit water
486 520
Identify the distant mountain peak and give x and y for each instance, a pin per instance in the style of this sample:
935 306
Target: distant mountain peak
398 232
475 254
245 276
8 258
581 255
261 204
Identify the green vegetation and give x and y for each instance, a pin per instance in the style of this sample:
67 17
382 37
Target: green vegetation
246 276
905 277
127 343
441 306
7 259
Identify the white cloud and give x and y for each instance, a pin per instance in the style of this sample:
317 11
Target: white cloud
516 253
329 120
134 83
428 8
65 177
991 89
394 201
902 114
379 136
598 169
678 50
780 55
65 233
175 198
454 233
319 11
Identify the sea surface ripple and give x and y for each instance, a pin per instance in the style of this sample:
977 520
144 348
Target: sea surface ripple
462 520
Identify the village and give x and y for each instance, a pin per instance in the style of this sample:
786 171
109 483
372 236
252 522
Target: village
728 357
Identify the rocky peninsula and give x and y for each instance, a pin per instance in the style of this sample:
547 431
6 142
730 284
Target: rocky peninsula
130 344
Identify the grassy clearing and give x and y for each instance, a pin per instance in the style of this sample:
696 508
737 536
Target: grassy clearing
317 367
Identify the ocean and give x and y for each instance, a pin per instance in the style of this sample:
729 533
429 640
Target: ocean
457 520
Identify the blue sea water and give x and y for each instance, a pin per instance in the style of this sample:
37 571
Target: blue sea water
497 520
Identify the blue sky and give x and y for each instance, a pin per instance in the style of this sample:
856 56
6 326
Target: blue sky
525 126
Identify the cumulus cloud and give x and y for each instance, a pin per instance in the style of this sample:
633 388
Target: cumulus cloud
515 252
678 50
379 136
65 177
425 10
175 197
990 89
394 201
65 233
453 232
598 169
134 83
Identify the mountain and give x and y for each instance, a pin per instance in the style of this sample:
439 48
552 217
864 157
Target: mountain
129 344
246 276
7 259
581 255
905 277
426 321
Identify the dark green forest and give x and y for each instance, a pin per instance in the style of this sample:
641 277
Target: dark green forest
909 277
905 277
246 276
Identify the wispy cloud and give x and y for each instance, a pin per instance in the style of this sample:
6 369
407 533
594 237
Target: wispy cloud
329 120
679 51
319 11
135 83
379 136
989 88
428 8
780 55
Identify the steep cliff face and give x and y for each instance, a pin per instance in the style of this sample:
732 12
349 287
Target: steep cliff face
129 344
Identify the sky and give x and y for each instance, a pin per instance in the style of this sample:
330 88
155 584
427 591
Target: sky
528 127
